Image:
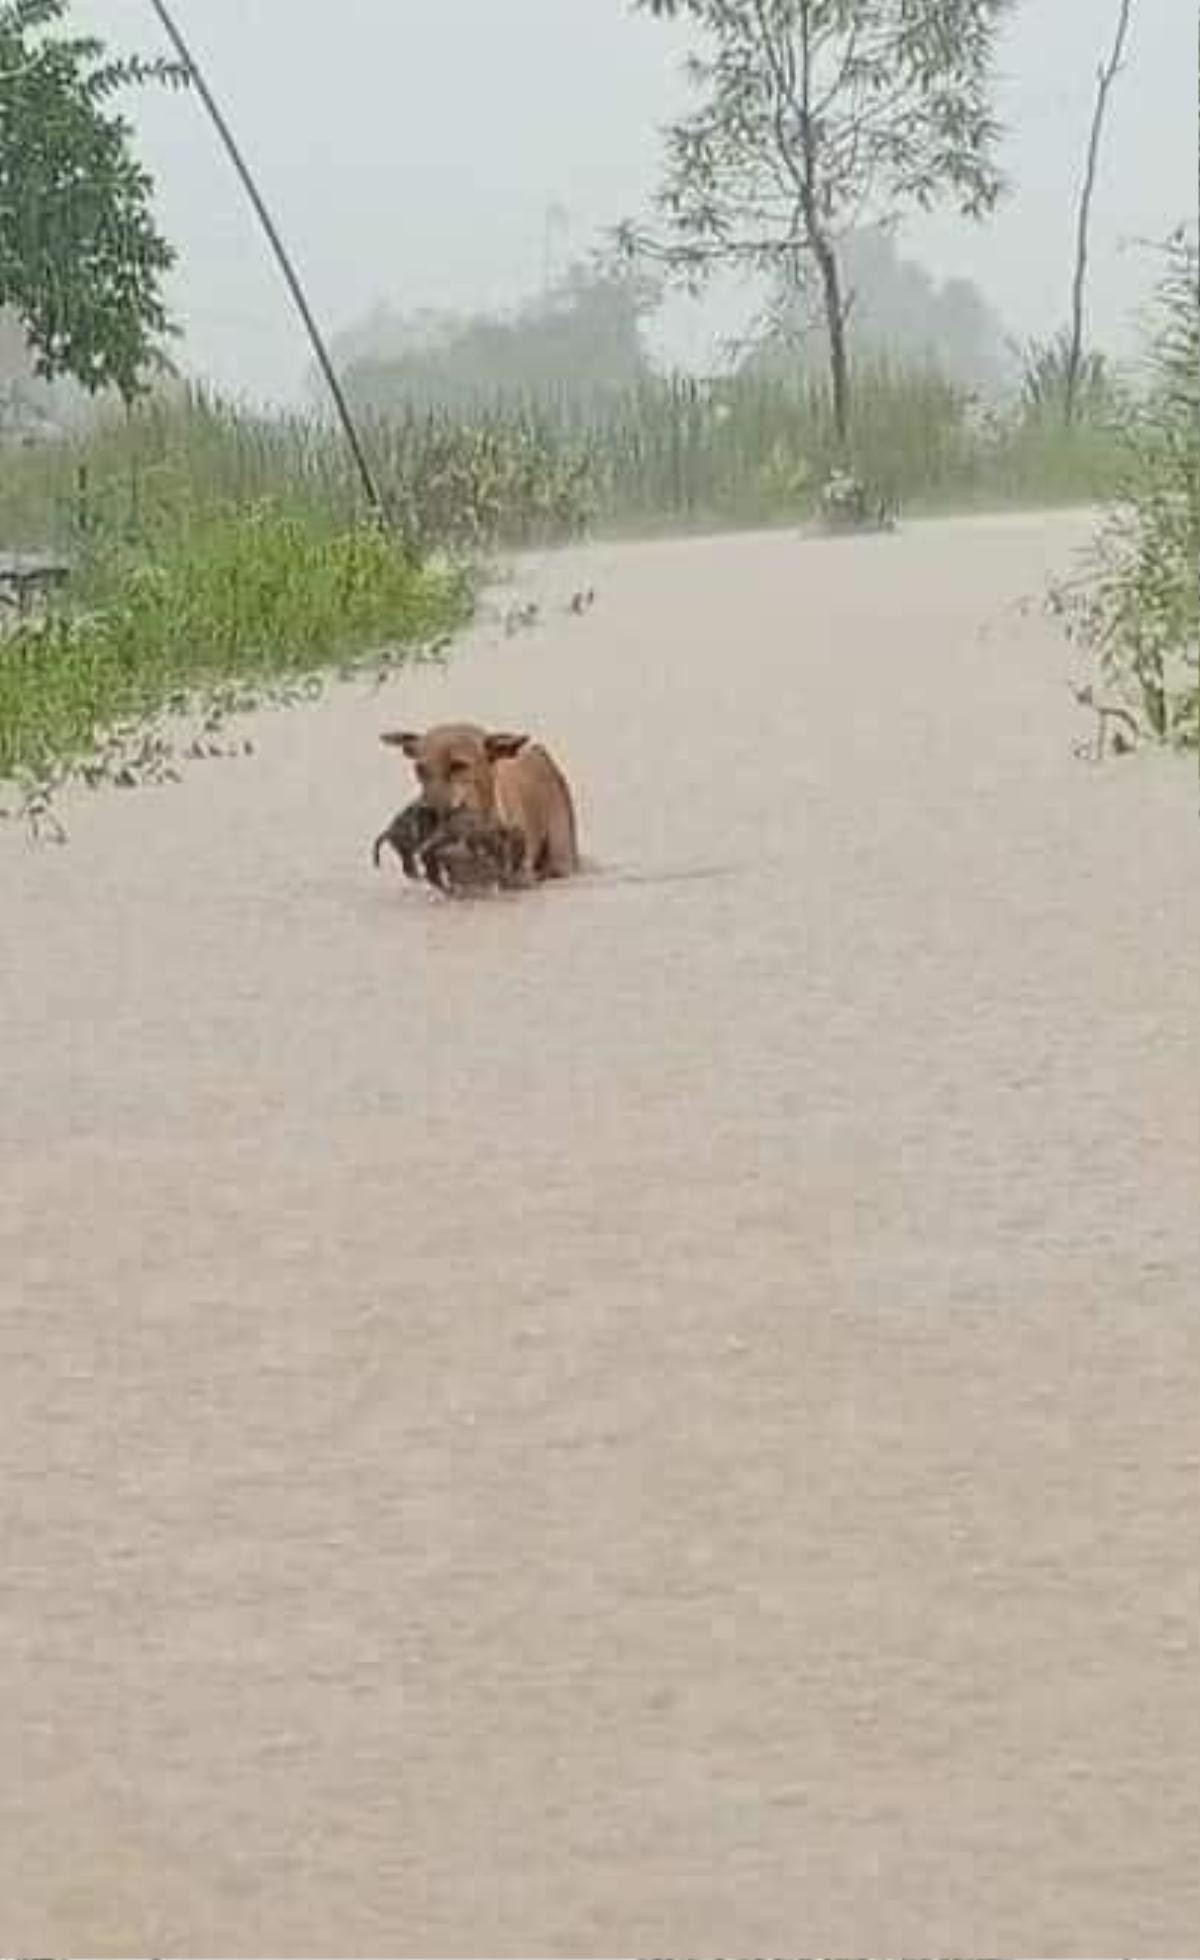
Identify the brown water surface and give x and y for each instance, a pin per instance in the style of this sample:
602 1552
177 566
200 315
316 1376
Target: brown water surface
656 1416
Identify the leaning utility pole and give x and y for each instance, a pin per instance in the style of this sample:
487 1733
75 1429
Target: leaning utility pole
195 76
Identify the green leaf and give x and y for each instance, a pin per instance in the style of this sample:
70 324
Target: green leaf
82 261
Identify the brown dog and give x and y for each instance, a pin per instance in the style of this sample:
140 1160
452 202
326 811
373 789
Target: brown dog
504 777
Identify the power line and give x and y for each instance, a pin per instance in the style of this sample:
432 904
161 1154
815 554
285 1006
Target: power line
324 362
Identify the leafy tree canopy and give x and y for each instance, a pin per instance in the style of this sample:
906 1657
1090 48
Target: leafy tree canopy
81 259
811 119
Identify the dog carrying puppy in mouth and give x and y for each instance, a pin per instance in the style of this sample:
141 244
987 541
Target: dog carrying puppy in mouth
483 794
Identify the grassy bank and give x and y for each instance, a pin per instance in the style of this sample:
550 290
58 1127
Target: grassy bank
219 550
244 606
217 558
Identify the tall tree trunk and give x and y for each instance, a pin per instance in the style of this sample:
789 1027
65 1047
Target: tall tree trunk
835 323
792 76
1106 77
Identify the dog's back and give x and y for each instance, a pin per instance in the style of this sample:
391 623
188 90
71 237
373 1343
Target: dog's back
534 797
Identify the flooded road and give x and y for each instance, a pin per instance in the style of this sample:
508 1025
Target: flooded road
653 1416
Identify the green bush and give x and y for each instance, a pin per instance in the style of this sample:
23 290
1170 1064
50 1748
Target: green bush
1135 605
257 596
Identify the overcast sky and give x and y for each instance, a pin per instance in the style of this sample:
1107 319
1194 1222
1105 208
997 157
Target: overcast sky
409 149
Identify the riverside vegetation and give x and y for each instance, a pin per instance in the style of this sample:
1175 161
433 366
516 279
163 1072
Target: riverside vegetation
222 558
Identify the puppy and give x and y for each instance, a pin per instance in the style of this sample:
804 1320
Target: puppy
468 852
458 852
408 833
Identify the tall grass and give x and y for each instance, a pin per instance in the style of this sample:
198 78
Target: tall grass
745 450
507 477
757 449
214 545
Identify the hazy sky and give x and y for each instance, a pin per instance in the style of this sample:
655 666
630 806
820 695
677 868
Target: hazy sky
409 149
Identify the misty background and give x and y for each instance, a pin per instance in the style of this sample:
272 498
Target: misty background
452 156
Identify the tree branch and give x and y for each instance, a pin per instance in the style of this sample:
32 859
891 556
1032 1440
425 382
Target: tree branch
1107 75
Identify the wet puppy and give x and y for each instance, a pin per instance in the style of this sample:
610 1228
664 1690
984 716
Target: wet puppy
460 851
468 852
410 830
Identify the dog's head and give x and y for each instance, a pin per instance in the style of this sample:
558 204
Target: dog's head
455 764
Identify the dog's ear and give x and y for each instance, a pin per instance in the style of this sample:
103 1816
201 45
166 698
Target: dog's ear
397 738
501 747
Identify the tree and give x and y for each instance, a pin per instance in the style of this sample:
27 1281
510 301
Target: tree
1106 76
815 116
898 314
582 338
81 259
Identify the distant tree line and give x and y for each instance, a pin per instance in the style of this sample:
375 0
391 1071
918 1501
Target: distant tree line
582 337
586 337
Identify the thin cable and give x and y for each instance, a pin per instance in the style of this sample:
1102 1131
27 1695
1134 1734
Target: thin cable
366 474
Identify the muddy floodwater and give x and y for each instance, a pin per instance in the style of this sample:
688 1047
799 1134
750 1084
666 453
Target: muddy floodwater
657 1416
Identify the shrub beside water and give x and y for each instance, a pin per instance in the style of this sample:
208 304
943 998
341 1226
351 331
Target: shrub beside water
1135 604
